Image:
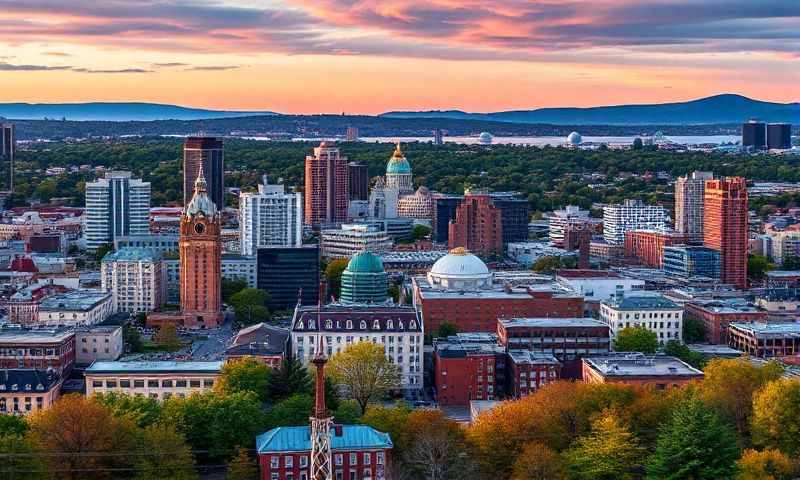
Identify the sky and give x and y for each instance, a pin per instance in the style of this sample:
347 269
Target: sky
372 56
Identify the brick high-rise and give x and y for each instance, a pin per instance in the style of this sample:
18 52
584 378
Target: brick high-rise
478 225
327 193
201 260
725 226
208 153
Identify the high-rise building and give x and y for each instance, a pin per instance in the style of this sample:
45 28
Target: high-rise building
398 173
352 134
7 151
208 152
418 206
754 134
383 201
438 137
779 136
358 181
134 278
686 262
725 227
689 201
364 280
270 217
117 205
515 215
631 215
350 239
290 275
201 260
327 193
444 210
478 225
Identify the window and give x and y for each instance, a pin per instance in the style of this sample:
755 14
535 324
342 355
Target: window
194 383
166 383
353 459
152 383
380 458
367 459
288 461
97 383
274 462
180 383
338 459
303 461
208 383
111 383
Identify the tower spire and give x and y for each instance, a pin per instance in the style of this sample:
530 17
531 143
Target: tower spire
200 184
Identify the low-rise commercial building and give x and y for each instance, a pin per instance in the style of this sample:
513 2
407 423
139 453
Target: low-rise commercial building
687 262
24 391
528 371
659 371
765 339
647 246
467 367
351 239
98 343
268 343
528 253
717 314
159 380
40 349
78 307
653 312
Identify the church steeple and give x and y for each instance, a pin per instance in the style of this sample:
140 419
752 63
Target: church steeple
201 202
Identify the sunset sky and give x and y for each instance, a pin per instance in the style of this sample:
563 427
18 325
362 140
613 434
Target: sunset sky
371 56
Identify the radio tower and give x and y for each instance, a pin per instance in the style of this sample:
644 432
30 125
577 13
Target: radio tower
321 422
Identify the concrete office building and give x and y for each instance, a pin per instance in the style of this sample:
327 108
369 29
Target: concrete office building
689 202
631 215
159 380
117 205
270 217
350 239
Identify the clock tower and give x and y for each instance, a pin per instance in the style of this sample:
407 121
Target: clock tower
201 260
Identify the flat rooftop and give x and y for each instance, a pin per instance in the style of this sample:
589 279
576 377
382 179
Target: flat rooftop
82 300
580 274
639 301
496 291
552 322
714 350
155 367
774 330
33 336
528 357
641 365
728 305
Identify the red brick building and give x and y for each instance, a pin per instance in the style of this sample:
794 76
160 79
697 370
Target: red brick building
327 193
725 226
716 315
201 260
37 349
528 371
478 225
648 245
468 367
765 340
567 339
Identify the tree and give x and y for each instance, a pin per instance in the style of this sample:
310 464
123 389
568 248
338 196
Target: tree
291 411
765 465
167 337
446 329
728 387
131 338
391 420
438 448
13 425
164 453
637 144
546 264
776 416
677 349
538 462
333 274
636 339
231 286
250 306
694 444
364 372
757 266
242 467
348 412
23 461
609 452
420 231
694 330
142 411
246 374
290 378
76 424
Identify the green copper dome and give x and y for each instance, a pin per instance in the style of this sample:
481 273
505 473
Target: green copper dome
365 262
398 163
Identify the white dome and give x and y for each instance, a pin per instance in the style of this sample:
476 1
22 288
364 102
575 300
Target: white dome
460 270
574 138
485 137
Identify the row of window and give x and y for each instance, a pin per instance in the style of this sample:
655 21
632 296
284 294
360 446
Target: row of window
376 325
151 383
338 459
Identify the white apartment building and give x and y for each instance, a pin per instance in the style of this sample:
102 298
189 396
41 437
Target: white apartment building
689 204
559 220
784 245
99 342
78 307
159 379
117 205
270 217
135 278
398 329
631 215
350 239
653 312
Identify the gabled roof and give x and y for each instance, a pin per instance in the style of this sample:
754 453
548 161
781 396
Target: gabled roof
298 439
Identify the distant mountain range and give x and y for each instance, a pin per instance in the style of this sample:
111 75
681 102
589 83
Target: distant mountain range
718 109
114 111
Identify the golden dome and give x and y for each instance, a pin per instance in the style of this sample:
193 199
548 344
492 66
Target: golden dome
459 251
398 153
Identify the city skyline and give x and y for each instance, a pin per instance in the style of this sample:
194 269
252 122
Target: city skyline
385 55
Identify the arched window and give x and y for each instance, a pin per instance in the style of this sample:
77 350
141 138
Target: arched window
299 325
413 324
349 324
376 325
328 324
363 325
389 324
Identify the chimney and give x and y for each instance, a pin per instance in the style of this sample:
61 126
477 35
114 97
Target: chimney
337 430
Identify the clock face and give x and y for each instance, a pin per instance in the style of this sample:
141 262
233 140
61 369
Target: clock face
199 228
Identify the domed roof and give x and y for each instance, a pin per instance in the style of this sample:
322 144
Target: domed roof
574 138
201 202
485 137
398 163
365 262
459 262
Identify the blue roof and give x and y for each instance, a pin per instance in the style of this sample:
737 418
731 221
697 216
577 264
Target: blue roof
154 367
298 439
365 262
131 254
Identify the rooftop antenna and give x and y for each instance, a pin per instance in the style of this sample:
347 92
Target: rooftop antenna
321 422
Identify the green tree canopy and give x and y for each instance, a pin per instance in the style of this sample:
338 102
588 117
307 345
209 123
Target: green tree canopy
364 372
247 374
287 380
250 306
609 452
776 416
636 339
333 275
